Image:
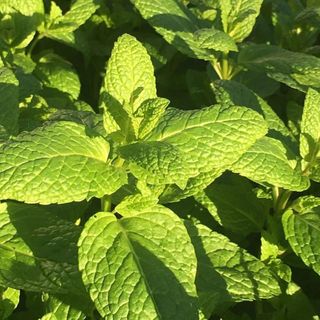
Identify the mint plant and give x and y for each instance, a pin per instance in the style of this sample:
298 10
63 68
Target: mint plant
159 160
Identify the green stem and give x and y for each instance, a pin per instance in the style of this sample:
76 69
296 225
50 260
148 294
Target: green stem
106 203
275 196
217 69
35 41
280 201
225 67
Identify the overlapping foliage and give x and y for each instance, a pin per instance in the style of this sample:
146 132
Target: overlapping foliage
159 159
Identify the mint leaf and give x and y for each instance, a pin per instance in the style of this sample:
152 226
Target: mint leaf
302 230
295 69
227 273
176 24
310 134
139 267
173 193
69 164
128 82
134 204
210 138
129 78
233 204
57 73
38 250
267 162
49 316
156 162
306 204
150 111
215 39
239 16
19 20
65 307
9 103
9 301
61 27
233 93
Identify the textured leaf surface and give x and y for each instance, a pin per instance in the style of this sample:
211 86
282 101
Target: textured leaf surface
57 164
38 250
140 267
310 126
9 104
226 272
175 23
68 309
267 162
210 138
133 204
303 234
22 17
156 162
234 93
306 204
62 26
215 39
150 111
295 69
129 78
233 204
173 193
239 16
55 72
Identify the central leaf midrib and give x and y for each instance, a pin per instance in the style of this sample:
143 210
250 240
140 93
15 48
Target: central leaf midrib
138 264
199 125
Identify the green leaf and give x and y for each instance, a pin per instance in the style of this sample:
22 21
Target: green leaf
38 250
234 93
239 16
156 162
176 24
306 204
61 27
19 20
66 308
9 301
232 203
57 73
57 163
267 162
134 204
173 193
227 273
210 138
9 103
295 69
310 128
140 267
49 316
129 78
258 82
302 230
150 111
215 39
128 82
